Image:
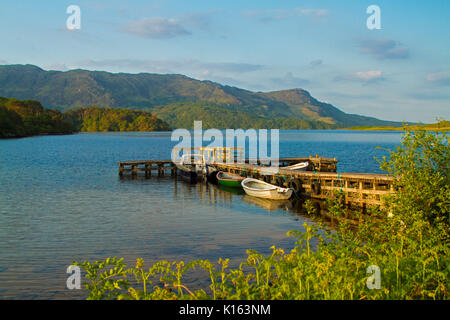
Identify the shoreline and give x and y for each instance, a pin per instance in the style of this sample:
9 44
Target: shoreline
407 128
361 129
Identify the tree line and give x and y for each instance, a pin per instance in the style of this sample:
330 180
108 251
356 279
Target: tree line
27 118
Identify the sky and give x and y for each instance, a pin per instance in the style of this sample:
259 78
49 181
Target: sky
399 72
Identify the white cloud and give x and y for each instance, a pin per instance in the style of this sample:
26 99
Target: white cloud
198 20
289 81
441 78
188 66
157 28
365 77
384 49
269 15
317 62
318 13
284 14
56 67
369 75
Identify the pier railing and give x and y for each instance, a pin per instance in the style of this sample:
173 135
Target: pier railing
210 154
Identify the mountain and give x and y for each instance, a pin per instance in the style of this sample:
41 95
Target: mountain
177 99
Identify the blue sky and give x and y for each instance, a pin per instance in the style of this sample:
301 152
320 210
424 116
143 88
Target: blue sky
401 72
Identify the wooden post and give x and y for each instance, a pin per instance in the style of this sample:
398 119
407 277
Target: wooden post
374 188
346 191
361 185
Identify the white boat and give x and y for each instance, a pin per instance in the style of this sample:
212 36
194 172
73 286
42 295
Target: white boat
261 189
301 166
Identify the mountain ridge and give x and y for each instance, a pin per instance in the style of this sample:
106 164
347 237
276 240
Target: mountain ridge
169 96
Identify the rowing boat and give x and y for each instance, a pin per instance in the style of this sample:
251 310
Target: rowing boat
301 166
261 189
229 179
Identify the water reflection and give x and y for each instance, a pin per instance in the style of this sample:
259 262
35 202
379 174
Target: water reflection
269 205
214 195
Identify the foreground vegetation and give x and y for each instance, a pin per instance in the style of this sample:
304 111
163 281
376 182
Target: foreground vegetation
407 239
28 118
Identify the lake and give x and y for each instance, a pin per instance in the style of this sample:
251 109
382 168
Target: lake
61 200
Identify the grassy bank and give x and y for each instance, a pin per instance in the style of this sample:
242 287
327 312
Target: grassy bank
399 251
441 126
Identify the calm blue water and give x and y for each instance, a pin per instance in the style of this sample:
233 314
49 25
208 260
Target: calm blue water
61 200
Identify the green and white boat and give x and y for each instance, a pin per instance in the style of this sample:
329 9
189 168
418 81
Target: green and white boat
229 179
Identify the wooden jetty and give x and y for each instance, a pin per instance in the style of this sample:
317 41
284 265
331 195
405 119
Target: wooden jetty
320 181
160 167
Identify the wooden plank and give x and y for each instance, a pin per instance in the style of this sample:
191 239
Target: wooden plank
129 163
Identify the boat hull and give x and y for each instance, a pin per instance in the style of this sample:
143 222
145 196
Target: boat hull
229 180
189 173
269 194
212 177
231 184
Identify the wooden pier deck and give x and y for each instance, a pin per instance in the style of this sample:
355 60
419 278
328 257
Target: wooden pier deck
320 181
147 166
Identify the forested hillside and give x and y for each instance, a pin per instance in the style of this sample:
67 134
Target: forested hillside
29 118
183 115
95 119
